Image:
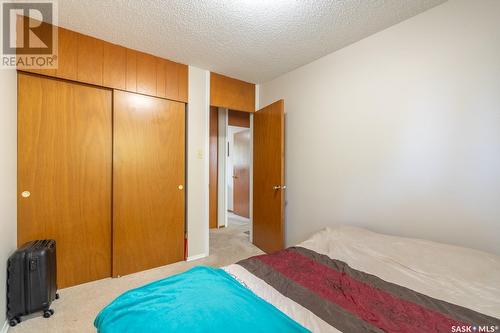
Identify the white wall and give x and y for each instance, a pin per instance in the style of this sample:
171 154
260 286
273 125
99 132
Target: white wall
8 174
197 162
400 132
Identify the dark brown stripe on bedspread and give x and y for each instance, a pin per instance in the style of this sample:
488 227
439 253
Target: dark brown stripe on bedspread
355 301
330 312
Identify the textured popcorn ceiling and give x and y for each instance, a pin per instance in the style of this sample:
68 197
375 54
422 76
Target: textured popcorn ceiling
253 40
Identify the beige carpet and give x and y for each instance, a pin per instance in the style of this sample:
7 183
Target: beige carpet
78 306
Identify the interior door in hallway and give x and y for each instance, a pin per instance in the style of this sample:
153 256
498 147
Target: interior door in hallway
241 173
148 182
269 177
64 174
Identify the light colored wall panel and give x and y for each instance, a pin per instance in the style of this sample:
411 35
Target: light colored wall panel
8 172
197 164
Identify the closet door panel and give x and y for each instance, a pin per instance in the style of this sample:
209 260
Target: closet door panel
131 70
44 29
67 54
148 182
114 66
146 74
64 162
172 80
183 82
161 78
90 59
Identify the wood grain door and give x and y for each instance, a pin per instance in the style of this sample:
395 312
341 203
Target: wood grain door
241 173
148 182
64 174
269 177
213 167
89 59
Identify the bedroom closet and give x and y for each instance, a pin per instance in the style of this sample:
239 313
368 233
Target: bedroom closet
101 159
148 182
64 173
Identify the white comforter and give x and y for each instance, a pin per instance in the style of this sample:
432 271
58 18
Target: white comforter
457 275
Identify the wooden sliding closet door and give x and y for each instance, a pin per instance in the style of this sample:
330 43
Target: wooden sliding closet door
148 182
64 174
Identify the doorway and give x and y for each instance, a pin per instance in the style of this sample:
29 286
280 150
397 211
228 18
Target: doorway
262 133
238 177
238 171
230 170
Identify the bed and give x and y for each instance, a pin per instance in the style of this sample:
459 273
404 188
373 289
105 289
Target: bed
342 279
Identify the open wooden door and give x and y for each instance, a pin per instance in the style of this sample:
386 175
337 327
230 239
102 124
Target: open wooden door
269 177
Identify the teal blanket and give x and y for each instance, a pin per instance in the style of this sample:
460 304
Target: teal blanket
202 299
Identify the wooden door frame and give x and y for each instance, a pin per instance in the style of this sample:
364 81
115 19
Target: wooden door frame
221 169
250 194
213 162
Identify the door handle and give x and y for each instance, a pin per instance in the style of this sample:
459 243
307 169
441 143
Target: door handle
277 187
26 194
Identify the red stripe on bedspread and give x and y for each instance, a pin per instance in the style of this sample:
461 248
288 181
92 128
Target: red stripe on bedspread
375 306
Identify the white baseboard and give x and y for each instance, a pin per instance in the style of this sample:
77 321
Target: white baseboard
5 327
191 258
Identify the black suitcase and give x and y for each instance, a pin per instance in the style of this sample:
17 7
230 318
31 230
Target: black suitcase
31 280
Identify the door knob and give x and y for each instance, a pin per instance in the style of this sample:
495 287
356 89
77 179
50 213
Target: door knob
25 194
180 187
279 187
